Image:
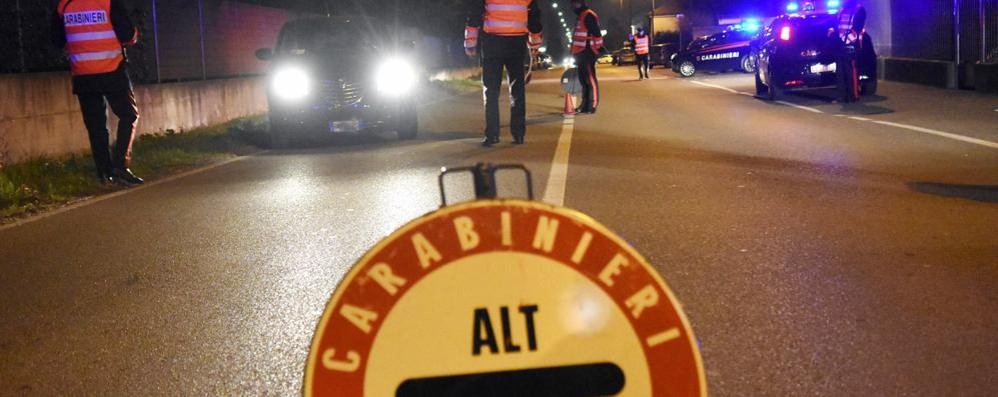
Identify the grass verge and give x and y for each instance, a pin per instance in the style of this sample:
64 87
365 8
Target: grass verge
460 86
42 183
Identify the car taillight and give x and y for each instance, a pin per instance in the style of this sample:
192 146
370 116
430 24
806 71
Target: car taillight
785 33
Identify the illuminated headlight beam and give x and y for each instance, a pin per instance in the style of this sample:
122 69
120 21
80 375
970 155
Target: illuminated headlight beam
291 83
396 77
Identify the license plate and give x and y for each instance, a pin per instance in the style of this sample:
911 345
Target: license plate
344 126
819 68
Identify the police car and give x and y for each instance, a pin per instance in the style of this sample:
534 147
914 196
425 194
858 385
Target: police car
340 76
797 51
728 50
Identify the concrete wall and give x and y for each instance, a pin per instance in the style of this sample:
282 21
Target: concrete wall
39 115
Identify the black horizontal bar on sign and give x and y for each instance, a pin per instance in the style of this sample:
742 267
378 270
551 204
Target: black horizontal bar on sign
587 380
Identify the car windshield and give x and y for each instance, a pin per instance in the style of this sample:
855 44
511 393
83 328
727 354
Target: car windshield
304 38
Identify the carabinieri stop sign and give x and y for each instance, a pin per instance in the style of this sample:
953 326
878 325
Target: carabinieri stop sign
503 297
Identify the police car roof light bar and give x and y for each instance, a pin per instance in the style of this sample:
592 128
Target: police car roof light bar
793 7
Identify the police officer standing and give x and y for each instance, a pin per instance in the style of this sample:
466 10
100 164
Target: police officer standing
587 41
94 33
504 29
641 45
850 30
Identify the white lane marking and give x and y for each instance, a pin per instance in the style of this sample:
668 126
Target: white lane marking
122 192
993 145
793 105
554 192
714 86
745 93
905 126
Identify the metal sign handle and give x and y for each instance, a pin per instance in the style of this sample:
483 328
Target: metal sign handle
484 175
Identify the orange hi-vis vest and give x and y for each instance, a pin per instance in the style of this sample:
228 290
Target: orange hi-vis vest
506 17
641 45
90 40
581 36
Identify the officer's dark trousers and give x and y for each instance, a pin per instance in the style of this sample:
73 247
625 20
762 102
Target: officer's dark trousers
492 80
642 65
585 62
94 109
847 75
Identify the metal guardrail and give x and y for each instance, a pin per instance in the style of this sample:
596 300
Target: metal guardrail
988 17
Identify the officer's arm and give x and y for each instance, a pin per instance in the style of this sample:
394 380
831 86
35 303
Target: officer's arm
475 11
58 32
534 23
124 29
592 26
535 26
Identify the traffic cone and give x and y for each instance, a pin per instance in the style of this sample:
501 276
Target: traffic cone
569 105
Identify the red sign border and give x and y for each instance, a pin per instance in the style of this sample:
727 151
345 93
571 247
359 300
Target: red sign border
366 260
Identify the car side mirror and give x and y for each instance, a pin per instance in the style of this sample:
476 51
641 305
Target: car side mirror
264 54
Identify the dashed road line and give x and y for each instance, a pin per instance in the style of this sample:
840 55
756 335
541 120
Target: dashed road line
554 192
720 87
944 134
807 108
930 131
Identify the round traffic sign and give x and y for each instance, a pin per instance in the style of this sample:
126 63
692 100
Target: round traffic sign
503 297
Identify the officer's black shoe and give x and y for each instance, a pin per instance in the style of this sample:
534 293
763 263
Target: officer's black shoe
489 141
518 140
104 177
125 177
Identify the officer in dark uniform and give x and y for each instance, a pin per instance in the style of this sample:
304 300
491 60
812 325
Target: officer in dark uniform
850 29
503 30
94 33
587 41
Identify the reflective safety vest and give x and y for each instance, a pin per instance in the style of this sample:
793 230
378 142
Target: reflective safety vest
850 26
581 37
641 45
90 40
505 17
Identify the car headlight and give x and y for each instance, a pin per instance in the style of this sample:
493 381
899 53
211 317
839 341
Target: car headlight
291 83
396 77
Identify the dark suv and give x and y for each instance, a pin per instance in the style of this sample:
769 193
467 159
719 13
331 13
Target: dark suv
333 76
797 51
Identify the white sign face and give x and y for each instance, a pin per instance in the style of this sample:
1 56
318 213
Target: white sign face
506 297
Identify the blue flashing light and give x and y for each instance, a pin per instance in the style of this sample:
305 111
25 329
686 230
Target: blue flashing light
793 7
833 4
750 25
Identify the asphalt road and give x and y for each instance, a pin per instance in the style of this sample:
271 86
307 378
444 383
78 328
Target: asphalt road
818 249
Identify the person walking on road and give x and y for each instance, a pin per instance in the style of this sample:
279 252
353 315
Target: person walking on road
641 44
587 41
503 31
94 34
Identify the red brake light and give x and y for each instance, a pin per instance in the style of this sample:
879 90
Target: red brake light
785 33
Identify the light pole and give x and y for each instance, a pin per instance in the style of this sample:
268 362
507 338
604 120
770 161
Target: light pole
651 24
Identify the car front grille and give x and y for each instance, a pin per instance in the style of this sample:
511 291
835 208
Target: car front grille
341 93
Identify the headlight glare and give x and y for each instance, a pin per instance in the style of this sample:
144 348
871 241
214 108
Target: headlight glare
291 83
396 77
